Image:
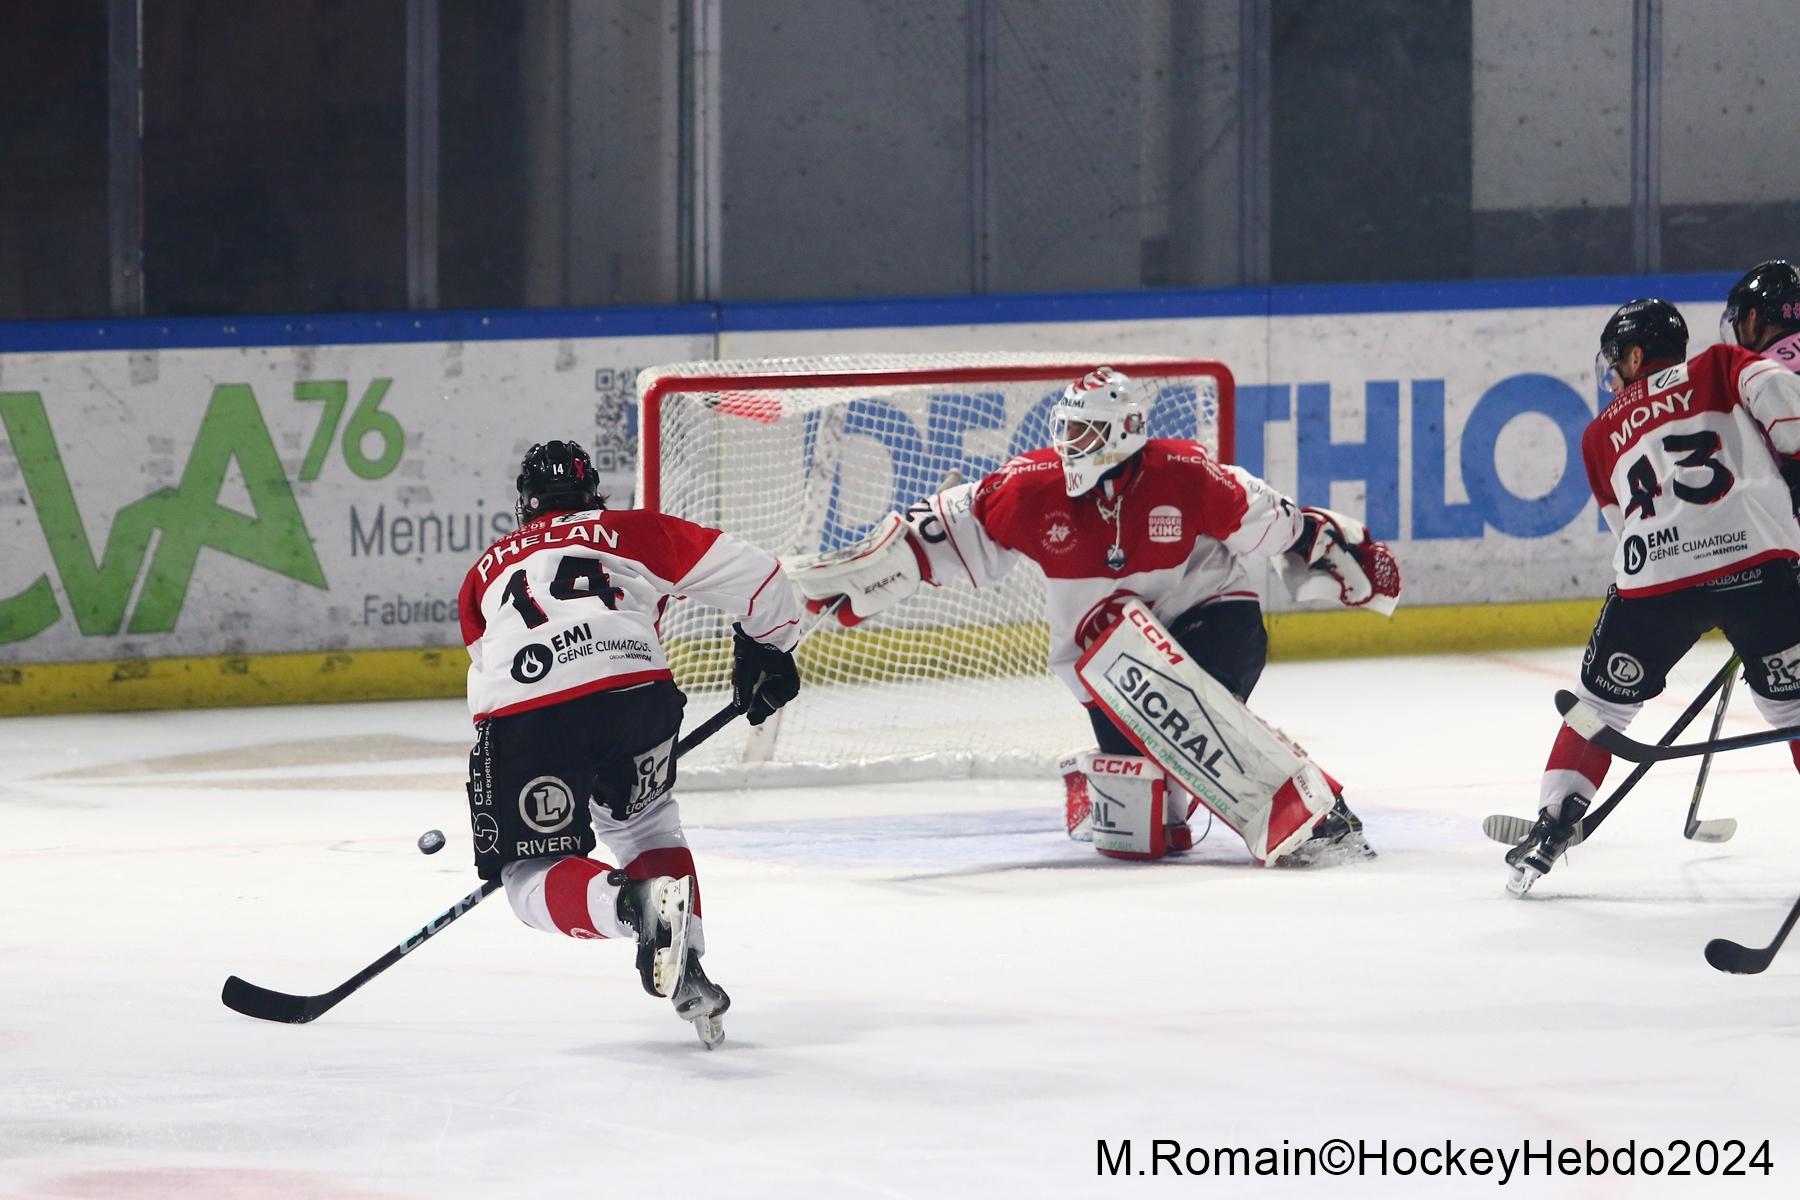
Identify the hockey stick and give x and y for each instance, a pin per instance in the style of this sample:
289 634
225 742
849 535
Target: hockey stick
1510 830
1721 829
1726 955
1588 724
265 1004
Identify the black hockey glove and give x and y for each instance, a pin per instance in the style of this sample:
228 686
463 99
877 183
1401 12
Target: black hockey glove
762 677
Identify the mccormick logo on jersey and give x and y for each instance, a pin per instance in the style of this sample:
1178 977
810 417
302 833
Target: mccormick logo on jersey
1165 523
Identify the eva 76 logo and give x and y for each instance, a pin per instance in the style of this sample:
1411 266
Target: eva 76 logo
184 519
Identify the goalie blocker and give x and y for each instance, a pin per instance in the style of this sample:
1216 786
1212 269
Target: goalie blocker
1249 775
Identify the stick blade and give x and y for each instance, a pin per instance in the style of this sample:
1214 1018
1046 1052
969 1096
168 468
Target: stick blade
1509 830
1723 829
1726 955
1506 829
242 996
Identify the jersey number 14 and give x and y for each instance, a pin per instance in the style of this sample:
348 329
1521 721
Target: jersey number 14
571 570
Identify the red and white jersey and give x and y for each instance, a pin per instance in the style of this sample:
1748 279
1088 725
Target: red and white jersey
1684 464
1182 520
569 604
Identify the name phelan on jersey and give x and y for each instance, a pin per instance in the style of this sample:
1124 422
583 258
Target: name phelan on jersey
515 547
1643 414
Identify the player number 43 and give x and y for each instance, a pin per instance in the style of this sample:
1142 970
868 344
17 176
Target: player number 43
573 570
1697 450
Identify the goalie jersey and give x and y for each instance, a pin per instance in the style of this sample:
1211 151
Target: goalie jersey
569 604
1172 528
1685 465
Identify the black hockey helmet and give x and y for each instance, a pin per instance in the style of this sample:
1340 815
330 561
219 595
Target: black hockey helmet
1654 325
556 477
1771 290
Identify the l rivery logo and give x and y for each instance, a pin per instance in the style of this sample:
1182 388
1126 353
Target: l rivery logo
546 804
185 519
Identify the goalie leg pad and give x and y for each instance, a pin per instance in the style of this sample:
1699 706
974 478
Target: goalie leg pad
1129 797
1255 780
1078 807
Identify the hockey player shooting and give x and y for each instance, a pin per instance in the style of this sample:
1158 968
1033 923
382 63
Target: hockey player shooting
1687 463
1153 623
576 713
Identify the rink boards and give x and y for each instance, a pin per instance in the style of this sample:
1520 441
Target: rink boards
280 510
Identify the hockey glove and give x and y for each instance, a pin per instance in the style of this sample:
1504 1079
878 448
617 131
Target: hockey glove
864 578
1333 549
763 678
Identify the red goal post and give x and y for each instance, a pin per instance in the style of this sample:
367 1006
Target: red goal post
805 454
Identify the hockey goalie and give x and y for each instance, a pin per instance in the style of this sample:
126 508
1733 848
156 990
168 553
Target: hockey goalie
1154 625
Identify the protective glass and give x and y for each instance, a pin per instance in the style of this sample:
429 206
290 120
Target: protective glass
1606 373
1728 322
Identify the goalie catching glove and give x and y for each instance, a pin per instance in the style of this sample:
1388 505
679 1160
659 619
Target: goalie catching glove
868 577
763 677
1334 558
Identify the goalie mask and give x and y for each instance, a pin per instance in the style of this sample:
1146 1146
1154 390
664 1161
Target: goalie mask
556 477
1099 423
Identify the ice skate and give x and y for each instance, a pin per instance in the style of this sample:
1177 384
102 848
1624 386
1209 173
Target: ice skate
700 1000
1554 832
1336 839
657 910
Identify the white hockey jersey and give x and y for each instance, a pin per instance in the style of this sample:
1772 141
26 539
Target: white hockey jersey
569 604
1179 522
1685 465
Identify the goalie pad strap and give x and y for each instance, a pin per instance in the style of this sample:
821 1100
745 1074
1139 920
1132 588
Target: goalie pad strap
1242 769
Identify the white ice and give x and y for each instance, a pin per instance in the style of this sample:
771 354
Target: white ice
935 992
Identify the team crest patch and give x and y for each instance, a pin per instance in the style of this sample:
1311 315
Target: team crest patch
1625 670
1165 523
546 804
1059 532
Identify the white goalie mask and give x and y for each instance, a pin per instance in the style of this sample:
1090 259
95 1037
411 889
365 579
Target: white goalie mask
1098 424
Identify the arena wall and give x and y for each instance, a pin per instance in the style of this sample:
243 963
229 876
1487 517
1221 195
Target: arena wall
211 512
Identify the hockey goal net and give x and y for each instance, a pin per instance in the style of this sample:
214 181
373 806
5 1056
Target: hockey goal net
800 455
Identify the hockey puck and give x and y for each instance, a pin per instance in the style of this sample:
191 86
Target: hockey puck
431 841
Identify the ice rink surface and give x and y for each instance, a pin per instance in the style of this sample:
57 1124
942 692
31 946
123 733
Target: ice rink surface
936 993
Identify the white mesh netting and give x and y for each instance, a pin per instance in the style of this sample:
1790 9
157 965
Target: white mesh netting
807 454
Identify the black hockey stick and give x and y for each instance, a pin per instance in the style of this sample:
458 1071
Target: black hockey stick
267 1005
1726 955
1510 830
1722 828
1587 723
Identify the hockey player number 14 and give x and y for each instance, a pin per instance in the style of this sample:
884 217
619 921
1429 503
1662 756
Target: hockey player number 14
571 570
1698 450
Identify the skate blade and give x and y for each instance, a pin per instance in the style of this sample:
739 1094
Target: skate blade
1351 848
1522 878
711 1031
671 960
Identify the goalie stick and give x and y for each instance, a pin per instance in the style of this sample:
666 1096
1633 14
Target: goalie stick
1726 955
266 1004
1587 723
1510 830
